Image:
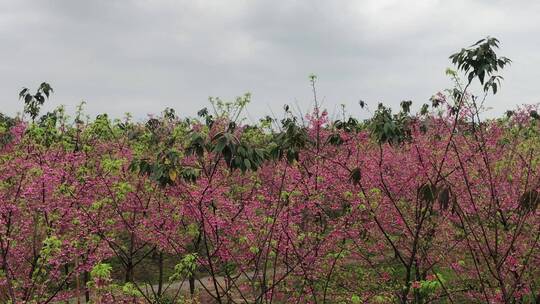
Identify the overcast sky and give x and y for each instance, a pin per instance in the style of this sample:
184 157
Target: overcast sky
142 56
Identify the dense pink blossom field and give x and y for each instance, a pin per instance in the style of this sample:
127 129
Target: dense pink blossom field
438 206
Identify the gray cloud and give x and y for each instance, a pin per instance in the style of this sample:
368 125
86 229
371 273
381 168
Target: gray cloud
142 56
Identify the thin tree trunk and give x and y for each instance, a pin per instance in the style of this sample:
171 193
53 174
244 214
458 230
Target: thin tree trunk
192 285
129 272
66 270
86 290
77 281
160 279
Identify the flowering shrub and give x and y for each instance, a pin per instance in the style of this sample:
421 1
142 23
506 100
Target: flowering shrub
437 206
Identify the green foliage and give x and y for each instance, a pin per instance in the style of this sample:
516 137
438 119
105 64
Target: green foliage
230 110
165 169
111 165
131 290
122 189
350 125
33 103
428 287
101 271
185 268
355 299
391 128
196 144
193 230
290 141
101 127
480 60
6 123
51 246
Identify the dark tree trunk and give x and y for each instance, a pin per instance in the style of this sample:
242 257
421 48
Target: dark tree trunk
160 279
86 290
191 285
129 272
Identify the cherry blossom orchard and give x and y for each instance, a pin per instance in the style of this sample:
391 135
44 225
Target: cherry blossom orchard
437 206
